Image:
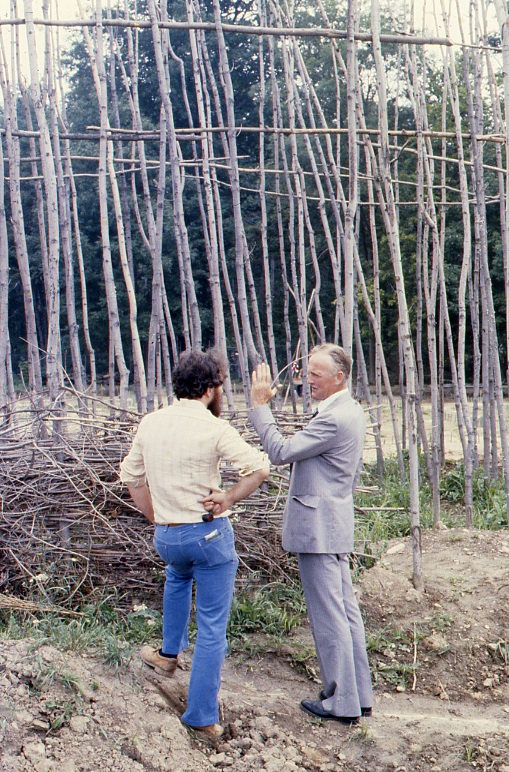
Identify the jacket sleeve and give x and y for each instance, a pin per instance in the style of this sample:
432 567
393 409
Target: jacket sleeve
318 437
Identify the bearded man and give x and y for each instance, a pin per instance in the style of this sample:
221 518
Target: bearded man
172 473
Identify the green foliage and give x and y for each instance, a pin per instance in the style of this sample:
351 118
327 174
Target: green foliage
395 646
387 640
471 750
393 494
393 650
440 622
109 631
303 659
46 675
103 628
275 610
61 712
261 620
489 501
58 710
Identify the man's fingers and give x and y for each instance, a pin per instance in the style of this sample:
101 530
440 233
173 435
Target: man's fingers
208 500
261 374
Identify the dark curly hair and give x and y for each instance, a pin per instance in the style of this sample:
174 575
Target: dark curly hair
197 371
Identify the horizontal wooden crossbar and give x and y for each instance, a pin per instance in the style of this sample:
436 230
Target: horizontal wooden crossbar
244 29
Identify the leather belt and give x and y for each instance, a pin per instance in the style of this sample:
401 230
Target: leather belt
172 525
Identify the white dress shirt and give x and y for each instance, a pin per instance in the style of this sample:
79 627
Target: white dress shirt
328 401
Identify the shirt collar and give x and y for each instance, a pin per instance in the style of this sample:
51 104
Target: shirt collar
325 403
194 404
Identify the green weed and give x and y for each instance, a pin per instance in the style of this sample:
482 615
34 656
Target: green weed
362 734
391 651
471 750
440 621
109 631
46 675
489 502
261 620
500 651
396 673
274 610
376 525
388 638
392 496
103 628
303 659
60 713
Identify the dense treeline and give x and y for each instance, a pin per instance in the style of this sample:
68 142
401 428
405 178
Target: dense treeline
175 178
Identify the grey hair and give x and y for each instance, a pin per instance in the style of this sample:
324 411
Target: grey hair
337 355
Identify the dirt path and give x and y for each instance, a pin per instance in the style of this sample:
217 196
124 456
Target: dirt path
440 664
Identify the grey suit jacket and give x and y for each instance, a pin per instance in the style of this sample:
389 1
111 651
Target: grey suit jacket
326 456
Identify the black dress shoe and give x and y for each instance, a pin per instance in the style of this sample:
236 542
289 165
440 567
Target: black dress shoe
365 712
314 708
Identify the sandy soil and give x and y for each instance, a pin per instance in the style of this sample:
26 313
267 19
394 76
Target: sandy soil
440 665
452 442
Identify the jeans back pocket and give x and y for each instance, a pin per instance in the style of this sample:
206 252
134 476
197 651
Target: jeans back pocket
218 548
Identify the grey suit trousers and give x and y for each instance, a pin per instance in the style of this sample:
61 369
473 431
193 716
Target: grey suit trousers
338 632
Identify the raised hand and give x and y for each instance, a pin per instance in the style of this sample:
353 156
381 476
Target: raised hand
262 390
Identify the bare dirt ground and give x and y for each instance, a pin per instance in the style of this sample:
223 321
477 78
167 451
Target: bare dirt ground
440 664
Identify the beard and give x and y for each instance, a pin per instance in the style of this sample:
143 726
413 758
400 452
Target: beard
216 402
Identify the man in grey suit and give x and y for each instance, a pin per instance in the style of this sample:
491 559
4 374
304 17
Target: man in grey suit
318 525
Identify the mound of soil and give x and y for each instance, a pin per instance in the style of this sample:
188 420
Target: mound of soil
440 665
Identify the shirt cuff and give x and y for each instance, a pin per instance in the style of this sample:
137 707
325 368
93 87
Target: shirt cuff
263 463
134 481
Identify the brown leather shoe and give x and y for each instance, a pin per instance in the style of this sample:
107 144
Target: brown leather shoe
164 666
212 731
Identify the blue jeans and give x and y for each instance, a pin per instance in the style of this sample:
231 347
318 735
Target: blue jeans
212 564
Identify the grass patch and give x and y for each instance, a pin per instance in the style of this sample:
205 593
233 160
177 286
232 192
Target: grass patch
45 676
393 493
103 629
261 622
391 654
111 632
392 496
274 610
489 501
303 659
362 734
60 712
